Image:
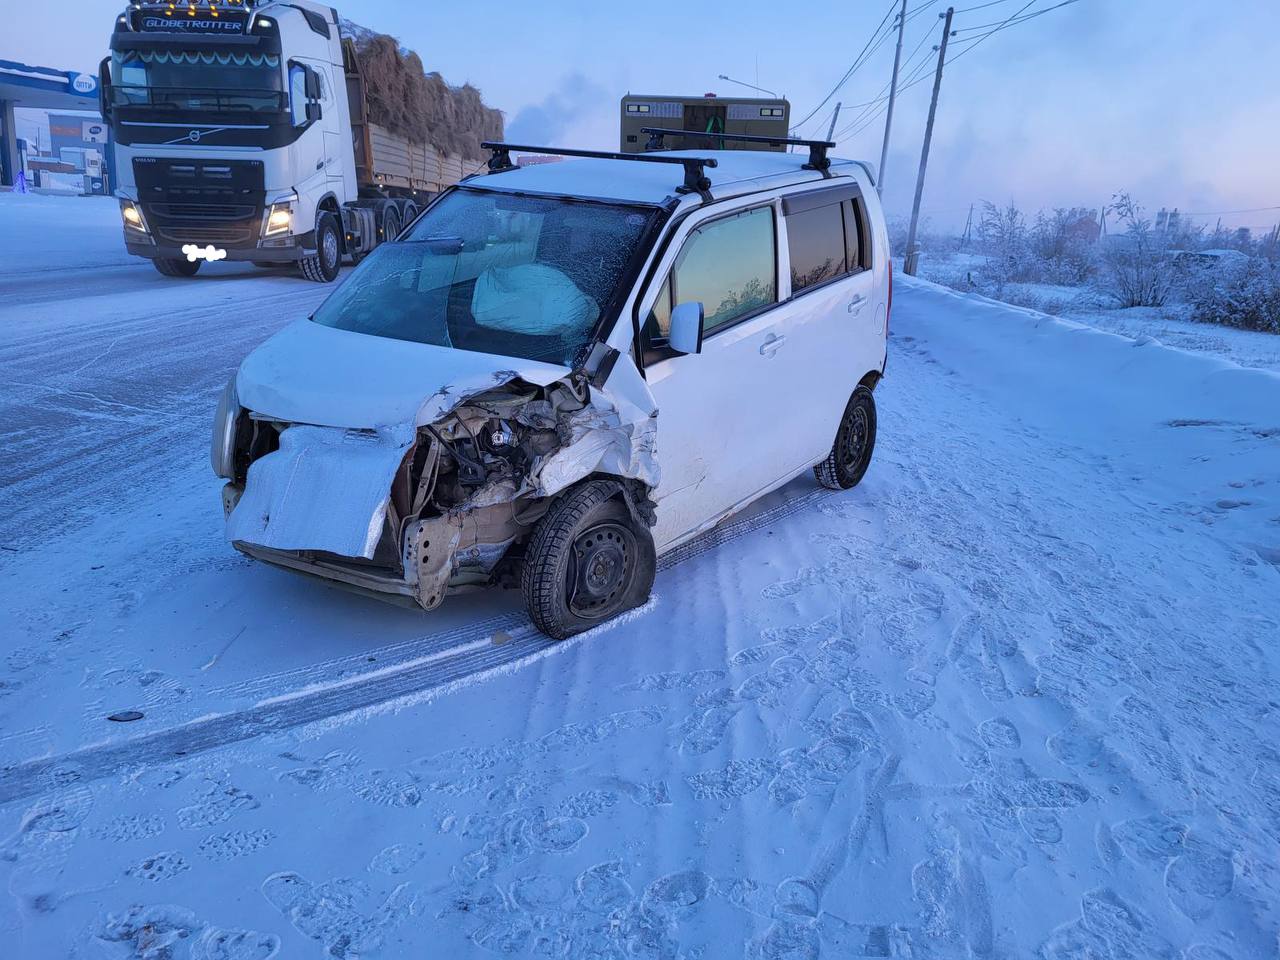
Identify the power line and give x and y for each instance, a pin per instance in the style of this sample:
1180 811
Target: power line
910 69
1227 213
858 61
981 6
859 124
1029 16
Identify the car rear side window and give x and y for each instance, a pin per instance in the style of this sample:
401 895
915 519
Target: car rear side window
826 235
816 241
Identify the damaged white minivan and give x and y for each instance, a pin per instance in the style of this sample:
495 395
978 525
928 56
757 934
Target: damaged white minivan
560 371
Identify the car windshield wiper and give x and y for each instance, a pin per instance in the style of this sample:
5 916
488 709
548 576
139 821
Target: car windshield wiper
438 245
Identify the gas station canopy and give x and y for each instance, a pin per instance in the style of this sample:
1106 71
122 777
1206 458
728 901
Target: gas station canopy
22 85
45 87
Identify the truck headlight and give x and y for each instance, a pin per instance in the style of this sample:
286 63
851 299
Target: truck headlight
279 219
133 219
222 452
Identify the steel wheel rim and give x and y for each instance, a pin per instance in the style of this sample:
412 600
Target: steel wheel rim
601 567
854 442
330 248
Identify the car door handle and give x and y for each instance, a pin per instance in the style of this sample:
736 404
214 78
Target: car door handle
856 303
771 344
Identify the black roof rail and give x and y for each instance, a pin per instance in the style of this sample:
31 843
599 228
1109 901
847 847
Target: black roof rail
818 159
695 174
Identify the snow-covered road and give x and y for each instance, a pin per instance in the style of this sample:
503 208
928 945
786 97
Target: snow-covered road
1013 695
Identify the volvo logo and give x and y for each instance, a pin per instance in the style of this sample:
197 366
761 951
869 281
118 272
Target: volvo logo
194 136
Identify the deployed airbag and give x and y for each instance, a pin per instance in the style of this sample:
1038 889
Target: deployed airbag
533 299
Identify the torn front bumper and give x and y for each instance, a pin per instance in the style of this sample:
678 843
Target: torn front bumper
428 561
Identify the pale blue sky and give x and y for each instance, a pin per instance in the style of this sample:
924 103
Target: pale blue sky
1175 100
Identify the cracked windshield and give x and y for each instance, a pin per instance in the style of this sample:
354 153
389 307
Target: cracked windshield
515 276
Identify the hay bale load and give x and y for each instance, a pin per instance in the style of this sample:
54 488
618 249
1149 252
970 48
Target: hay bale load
422 132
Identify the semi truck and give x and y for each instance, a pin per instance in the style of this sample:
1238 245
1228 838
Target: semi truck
242 132
706 116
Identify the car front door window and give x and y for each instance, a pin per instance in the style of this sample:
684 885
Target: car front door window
730 266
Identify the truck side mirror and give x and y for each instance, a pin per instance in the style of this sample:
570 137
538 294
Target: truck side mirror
313 110
686 327
104 89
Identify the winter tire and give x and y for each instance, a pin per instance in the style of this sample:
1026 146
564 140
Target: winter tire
855 441
181 267
588 560
322 266
390 223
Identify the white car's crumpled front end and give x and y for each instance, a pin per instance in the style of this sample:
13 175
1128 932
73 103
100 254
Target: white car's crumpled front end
357 470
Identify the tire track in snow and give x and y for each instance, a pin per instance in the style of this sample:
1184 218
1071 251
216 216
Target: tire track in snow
436 663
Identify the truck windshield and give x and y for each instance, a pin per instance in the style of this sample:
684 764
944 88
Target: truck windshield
495 273
204 81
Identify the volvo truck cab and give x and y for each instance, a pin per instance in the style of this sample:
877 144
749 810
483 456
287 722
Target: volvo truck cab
233 137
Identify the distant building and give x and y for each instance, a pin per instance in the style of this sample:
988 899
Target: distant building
1086 228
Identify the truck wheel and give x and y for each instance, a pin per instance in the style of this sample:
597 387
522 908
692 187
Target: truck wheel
177 268
855 440
588 560
322 266
390 222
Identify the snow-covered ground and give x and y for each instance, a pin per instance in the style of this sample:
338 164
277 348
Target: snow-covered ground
1014 695
1168 325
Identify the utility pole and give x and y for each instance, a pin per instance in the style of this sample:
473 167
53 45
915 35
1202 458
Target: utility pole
912 258
968 228
893 93
832 129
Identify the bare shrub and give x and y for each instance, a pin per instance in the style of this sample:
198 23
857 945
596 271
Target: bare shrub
1240 292
1063 244
1137 271
1003 236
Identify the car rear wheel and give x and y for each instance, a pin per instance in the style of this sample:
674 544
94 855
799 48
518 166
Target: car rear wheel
180 267
855 441
322 266
588 560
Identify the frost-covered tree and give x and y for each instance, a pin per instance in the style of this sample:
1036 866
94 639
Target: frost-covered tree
1003 236
1064 244
1137 271
1239 292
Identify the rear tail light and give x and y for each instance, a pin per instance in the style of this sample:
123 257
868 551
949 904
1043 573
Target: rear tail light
889 306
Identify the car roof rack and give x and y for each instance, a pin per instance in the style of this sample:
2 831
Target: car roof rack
695 174
818 159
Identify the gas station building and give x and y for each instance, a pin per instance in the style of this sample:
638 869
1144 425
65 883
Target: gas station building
46 88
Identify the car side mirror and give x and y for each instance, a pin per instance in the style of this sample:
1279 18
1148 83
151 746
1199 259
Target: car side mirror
686 327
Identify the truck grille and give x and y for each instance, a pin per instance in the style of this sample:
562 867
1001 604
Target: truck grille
204 201
204 211
204 233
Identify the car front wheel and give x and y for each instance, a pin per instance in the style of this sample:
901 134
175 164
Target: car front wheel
855 441
588 560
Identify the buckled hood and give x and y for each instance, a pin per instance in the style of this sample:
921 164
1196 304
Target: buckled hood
312 374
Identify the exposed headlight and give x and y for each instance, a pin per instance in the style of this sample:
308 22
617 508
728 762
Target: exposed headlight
132 216
279 219
222 452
